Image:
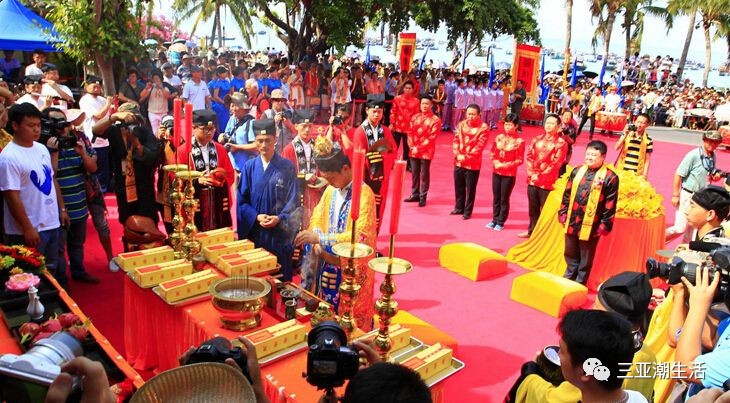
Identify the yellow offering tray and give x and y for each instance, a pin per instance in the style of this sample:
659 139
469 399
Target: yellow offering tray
453 366
213 252
215 237
130 260
150 276
400 338
187 286
278 338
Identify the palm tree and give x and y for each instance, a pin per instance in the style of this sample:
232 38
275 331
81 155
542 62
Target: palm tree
688 8
605 11
568 30
634 12
205 9
714 13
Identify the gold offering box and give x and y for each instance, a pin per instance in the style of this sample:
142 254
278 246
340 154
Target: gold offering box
187 286
279 337
248 263
130 260
149 276
430 361
213 252
400 337
215 237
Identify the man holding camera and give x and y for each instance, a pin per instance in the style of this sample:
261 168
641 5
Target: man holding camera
692 175
133 156
33 93
72 162
281 114
587 210
60 93
238 136
339 129
635 147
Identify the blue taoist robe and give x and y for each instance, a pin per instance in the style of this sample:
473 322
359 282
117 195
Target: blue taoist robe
272 192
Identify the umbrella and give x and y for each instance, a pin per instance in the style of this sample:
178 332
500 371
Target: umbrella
722 113
702 112
150 42
590 74
352 54
502 65
627 83
552 76
191 44
179 40
178 47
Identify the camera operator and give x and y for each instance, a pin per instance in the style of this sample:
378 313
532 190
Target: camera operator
61 94
339 129
133 155
692 175
95 383
238 136
282 114
72 161
635 147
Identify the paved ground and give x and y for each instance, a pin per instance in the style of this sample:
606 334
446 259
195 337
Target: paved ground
680 136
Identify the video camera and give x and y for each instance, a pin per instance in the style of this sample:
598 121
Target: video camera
329 360
713 254
337 120
218 349
720 173
26 377
55 127
631 127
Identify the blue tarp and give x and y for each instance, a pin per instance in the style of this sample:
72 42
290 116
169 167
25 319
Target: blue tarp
22 29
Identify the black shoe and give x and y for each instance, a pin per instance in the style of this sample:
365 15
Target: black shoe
421 202
411 199
86 278
467 216
456 212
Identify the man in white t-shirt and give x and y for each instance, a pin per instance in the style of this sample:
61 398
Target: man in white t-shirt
170 77
33 208
33 93
60 94
39 59
196 91
97 107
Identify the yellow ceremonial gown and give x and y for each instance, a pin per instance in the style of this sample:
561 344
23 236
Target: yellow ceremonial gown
365 233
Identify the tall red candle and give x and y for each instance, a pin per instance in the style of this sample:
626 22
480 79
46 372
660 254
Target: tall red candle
398 175
358 159
177 123
188 124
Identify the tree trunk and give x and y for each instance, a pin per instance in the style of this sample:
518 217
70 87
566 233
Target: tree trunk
568 26
687 41
627 33
382 33
708 50
221 39
106 71
607 34
150 8
214 30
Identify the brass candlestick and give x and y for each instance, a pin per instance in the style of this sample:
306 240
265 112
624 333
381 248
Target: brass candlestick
353 257
190 245
386 306
176 197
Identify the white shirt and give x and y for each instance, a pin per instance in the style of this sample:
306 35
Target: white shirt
48 91
91 105
29 99
33 70
29 171
196 94
612 102
264 163
339 195
175 81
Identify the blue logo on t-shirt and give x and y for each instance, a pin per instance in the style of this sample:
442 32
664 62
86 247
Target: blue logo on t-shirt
46 186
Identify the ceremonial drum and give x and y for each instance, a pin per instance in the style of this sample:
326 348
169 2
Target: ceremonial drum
725 133
214 208
611 121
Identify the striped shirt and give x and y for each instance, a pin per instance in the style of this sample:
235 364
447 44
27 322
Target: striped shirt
631 163
70 176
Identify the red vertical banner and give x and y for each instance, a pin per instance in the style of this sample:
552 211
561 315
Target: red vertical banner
406 50
525 68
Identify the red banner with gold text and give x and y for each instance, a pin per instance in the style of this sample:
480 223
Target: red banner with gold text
526 67
406 49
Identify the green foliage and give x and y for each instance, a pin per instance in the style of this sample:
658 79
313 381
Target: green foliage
117 33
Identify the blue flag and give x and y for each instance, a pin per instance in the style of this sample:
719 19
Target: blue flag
543 86
574 75
603 71
423 60
619 79
491 70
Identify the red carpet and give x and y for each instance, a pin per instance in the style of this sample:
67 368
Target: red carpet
495 334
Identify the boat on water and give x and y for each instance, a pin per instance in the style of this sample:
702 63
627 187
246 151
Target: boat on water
557 56
611 65
724 69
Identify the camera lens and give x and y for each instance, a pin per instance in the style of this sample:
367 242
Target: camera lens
57 349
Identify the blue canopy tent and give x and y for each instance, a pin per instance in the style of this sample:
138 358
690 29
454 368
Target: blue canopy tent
22 29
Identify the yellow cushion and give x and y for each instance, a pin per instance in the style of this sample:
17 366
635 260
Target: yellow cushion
549 293
472 261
